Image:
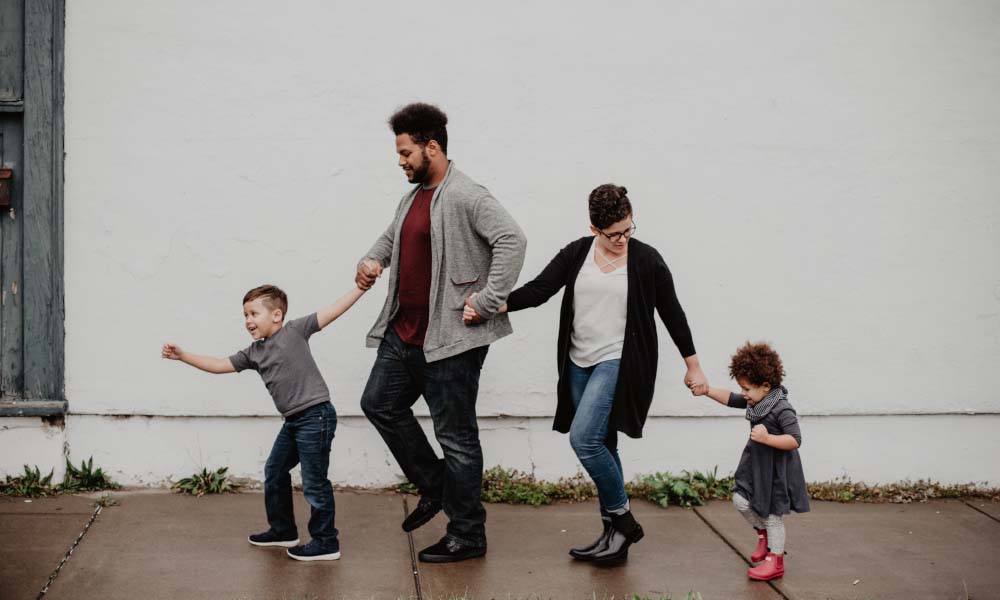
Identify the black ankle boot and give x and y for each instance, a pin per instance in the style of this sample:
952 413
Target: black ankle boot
588 552
625 531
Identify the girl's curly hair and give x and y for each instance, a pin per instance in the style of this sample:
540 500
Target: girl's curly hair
758 364
609 204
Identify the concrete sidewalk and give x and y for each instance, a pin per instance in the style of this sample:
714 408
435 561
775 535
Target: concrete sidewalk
162 545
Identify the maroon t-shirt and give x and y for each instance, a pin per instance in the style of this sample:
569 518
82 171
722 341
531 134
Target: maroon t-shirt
415 270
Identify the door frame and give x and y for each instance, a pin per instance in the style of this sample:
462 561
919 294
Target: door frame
41 175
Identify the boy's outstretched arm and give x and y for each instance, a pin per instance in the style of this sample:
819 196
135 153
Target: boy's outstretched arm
209 364
329 314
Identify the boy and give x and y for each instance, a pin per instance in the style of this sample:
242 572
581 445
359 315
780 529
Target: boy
280 353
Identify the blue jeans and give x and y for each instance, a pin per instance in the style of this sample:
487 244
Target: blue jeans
450 386
304 437
593 392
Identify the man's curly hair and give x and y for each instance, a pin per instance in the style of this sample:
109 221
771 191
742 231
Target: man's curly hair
758 364
423 122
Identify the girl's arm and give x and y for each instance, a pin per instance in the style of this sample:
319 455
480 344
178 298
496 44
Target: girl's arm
781 442
209 364
329 314
721 396
790 437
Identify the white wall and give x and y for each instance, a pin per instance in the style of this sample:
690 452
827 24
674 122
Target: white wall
821 176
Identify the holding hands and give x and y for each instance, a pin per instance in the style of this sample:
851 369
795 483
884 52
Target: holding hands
696 381
469 314
368 272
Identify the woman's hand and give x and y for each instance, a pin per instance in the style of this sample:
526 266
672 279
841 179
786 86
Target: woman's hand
696 381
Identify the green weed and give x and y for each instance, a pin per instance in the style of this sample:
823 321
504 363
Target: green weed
690 488
29 485
199 484
86 478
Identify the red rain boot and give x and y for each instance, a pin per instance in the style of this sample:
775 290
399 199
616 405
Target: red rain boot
761 551
773 567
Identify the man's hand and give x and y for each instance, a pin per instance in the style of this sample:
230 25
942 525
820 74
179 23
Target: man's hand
469 314
172 351
368 272
696 381
759 434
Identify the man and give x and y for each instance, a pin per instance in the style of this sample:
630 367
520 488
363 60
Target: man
448 239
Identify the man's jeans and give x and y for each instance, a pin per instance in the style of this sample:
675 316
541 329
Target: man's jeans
399 376
593 392
304 437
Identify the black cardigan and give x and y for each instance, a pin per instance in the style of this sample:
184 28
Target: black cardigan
649 286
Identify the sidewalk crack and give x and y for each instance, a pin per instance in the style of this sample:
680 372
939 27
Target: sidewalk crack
413 554
967 503
69 553
736 550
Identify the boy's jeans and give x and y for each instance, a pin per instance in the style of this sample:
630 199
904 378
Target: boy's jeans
593 393
304 437
398 378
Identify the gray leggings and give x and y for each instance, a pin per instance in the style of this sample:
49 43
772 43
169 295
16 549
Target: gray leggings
774 524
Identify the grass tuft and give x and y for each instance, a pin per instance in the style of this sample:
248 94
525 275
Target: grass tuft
207 482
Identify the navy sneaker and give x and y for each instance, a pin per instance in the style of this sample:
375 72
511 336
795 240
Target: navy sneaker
269 538
316 551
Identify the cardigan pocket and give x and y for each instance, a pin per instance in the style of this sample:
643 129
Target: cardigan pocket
462 286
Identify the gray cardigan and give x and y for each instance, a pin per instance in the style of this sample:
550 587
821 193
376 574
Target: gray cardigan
476 246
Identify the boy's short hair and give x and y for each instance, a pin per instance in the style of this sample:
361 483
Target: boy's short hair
422 122
272 296
758 364
608 204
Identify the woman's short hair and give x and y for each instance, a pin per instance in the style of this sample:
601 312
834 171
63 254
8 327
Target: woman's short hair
609 204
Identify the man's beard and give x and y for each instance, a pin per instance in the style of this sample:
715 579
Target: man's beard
420 173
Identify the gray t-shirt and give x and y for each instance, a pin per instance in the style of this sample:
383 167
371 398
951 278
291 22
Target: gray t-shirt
287 367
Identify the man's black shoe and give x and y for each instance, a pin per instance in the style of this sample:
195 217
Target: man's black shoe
424 512
270 538
450 549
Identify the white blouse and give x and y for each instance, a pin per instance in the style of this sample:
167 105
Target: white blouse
599 305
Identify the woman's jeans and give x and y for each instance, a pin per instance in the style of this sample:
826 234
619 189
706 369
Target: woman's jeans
593 392
304 438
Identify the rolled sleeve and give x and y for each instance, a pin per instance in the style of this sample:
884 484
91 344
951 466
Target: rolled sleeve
737 401
495 225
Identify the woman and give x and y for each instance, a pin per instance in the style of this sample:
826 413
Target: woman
607 354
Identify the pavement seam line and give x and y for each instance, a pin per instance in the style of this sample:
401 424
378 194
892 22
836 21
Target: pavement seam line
413 554
69 552
736 550
966 502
